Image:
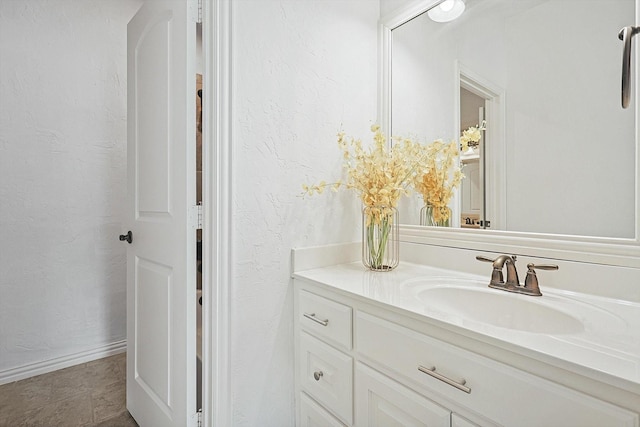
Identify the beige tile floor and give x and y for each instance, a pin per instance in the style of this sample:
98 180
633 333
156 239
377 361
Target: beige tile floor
89 394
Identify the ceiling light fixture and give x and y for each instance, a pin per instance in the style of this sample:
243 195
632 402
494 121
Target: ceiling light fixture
447 11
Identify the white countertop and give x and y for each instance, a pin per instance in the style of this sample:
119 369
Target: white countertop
608 341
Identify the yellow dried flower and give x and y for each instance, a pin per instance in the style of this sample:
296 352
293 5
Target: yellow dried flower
381 176
442 173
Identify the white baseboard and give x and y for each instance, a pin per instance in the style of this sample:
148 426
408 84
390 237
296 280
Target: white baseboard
33 369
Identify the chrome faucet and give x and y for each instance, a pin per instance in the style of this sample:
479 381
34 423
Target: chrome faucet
512 283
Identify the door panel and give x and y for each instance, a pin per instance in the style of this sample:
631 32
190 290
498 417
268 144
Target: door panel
153 139
161 329
152 345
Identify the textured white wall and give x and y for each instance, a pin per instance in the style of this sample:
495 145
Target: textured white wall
303 69
62 177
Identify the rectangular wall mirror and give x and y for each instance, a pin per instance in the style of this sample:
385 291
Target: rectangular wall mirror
559 153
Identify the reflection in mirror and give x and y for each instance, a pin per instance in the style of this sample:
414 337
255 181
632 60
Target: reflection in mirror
472 207
558 155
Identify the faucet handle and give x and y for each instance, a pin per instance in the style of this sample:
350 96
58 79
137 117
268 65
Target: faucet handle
543 266
485 259
497 278
531 286
496 274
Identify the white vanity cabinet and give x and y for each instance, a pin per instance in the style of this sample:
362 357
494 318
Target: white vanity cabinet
359 363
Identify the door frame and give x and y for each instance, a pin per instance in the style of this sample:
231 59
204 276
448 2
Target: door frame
217 221
494 158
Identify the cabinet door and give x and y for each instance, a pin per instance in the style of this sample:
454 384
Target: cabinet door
382 402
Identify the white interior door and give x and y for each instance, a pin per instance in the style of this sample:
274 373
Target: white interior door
161 330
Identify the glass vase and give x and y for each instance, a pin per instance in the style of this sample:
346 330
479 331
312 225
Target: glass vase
427 217
380 238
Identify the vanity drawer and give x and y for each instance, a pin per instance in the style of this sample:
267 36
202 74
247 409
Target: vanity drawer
496 391
326 374
314 415
325 318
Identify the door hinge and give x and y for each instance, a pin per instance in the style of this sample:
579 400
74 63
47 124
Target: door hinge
196 419
199 12
195 11
197 216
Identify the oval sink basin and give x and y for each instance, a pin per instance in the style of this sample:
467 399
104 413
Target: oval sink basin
499 308
470 300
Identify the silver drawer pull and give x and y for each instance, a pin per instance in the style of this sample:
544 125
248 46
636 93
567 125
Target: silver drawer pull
317 375
432 372
313 317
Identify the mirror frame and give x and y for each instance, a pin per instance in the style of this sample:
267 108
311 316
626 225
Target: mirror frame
623 252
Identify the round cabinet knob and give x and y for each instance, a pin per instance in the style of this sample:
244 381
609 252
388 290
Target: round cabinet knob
317 375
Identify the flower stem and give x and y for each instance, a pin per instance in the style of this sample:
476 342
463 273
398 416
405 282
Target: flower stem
377 238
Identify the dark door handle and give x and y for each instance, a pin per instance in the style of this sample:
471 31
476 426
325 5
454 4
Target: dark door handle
128 237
